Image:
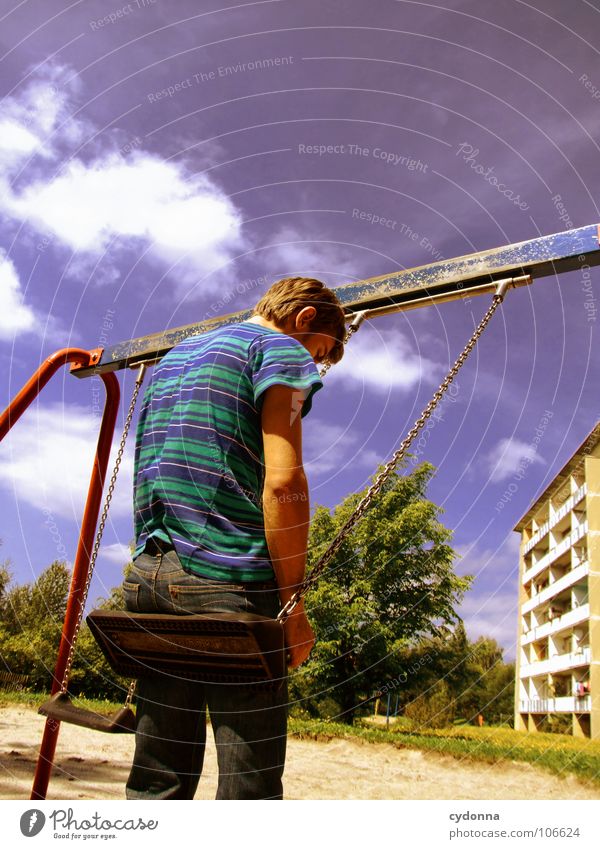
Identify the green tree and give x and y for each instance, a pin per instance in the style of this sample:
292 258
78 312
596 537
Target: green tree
91 674
32 618
435 709
391 580
5 580
424 662
491 691
478 680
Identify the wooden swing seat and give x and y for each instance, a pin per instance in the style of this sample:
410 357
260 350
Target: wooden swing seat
60 708
222 648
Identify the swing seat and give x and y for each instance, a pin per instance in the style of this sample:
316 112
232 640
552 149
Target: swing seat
60 708
221 648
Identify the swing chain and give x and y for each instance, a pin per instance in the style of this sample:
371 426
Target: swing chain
391 465
130 693
354 325
94 556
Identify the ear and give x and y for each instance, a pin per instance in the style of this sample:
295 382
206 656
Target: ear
304 317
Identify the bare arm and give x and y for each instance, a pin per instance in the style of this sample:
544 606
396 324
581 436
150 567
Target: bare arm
286 509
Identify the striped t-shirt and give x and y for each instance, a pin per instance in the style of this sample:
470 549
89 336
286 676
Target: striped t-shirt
198 473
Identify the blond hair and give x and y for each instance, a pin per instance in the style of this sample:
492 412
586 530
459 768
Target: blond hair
286 297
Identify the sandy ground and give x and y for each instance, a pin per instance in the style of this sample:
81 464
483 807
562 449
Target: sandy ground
92 765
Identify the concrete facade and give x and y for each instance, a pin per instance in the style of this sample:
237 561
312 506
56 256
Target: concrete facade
558 646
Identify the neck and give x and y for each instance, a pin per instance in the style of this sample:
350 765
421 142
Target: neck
264 322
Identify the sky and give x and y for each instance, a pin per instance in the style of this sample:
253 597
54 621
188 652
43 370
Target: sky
161 163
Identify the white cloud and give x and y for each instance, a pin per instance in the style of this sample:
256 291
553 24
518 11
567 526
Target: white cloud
501 562
383 362
493 616
292 254
490 607
15 316
371 459
143 198
139 200
117 553
511 456
38 120
85 268
329 447
46 460
17 141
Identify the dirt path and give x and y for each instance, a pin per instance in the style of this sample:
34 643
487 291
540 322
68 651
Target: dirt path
91 765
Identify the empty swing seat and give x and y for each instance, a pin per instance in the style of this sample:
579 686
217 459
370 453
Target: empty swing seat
223 648
60 708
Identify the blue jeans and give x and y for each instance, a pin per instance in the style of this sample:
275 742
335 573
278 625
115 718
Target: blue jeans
249 724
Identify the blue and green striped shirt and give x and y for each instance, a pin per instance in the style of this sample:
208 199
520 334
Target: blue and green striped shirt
199 463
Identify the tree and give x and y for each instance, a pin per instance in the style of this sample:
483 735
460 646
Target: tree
5 579
477 679
436 709
91 674
391 580
32 618
491 692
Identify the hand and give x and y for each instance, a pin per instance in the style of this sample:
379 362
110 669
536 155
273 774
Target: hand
299 637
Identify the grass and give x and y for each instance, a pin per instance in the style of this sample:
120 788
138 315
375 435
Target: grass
557 753
34 700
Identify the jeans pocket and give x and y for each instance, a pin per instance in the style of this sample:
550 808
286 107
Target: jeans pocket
147 565
208 598
131 595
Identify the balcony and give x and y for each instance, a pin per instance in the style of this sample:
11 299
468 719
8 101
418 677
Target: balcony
560 514
563 546
561 623
564 704
574 576
558 663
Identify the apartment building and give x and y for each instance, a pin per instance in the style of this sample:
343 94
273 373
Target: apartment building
558 648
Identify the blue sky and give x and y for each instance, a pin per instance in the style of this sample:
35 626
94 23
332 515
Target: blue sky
164 162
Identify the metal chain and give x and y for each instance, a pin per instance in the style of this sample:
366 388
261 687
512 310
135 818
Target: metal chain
391 465
111 488
355 324
130 693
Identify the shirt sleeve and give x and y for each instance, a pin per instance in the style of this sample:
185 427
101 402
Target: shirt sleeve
281 360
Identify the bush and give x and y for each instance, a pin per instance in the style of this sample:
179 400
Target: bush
556 724
436 710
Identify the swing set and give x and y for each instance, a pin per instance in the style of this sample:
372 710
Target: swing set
245 648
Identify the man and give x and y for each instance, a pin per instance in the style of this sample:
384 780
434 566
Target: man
221 521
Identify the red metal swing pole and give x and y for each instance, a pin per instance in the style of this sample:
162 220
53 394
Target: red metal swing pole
37 381
89 522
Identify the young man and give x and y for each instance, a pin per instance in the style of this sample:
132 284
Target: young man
221 521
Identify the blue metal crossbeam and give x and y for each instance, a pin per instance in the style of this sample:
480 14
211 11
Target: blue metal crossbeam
448 279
